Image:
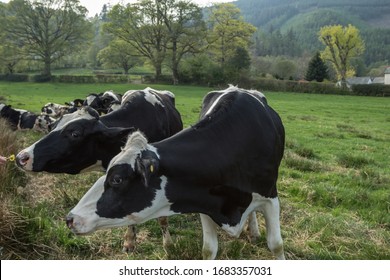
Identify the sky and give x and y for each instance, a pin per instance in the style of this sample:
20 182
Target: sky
95 6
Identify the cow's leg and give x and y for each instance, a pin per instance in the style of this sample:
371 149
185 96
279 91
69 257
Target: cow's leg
167 240
210 237
274 238
253 227
129 239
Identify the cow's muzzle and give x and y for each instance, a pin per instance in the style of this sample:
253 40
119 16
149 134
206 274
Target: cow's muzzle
22 159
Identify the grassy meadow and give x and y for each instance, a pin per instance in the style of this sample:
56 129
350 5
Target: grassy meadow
334 184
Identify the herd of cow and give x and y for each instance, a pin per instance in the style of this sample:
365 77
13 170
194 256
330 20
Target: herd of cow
103 103
224 167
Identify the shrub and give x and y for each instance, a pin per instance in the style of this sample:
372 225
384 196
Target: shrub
372 90
41 78
14 77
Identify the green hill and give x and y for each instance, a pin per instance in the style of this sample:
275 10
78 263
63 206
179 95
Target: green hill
305 18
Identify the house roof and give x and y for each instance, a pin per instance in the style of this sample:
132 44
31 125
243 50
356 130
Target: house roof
359 80
378 80
387 71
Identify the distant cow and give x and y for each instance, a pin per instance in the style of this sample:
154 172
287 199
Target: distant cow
224 167
84 140
101 102
22 119
55 110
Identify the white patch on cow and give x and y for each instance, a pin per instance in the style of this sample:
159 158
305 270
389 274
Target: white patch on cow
2 106
115 107
77 115
21 111
270 209
210 237
152 98
85 219
136 143
164 92
127 95
90 99
112 94
232 89
215 103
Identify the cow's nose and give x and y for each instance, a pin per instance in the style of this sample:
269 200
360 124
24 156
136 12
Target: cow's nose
69 222
22 158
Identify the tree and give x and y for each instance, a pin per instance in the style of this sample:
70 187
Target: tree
240 59
45 29
317 69
228 32
186 30
342 44
284 69
120 54
141 25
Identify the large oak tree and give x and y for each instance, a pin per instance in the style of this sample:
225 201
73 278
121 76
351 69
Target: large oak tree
45 30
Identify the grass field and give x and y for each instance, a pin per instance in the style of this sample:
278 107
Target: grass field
334 185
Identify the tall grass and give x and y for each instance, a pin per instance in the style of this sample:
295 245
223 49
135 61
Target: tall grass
334 185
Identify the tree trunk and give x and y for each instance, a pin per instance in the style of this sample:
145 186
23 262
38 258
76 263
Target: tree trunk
47 67
175 64
158 72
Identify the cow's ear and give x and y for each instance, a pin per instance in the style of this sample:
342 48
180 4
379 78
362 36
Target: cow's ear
108 133
146 167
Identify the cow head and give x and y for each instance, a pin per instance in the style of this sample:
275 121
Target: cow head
72 146
43 123
131 192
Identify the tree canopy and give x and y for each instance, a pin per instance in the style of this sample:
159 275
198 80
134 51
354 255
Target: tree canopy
341 45
45 30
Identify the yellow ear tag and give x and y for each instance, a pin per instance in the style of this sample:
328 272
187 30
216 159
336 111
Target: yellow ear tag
11 158
151 169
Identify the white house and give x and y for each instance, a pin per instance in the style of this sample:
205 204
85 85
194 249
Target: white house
387 76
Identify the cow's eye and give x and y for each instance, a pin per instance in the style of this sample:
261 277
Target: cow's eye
75 134
116 180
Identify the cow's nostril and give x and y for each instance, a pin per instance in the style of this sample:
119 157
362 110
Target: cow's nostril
22 159
69 222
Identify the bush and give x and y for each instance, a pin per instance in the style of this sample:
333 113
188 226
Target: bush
74 79
41 78
14 77
109 78
372 90
296 86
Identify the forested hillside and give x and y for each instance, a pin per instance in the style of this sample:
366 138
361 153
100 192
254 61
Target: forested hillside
296 24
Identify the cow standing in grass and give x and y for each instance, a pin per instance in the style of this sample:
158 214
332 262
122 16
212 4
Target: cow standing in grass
225 167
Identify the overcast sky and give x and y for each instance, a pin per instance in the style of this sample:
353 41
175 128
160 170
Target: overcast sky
95 6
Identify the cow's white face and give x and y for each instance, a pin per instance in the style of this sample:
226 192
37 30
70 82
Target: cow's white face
130 193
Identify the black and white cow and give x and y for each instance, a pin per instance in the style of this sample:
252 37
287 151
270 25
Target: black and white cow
225 167
22 119
101 102
55 110
84 140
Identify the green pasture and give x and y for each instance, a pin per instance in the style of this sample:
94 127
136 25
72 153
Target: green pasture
334 184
